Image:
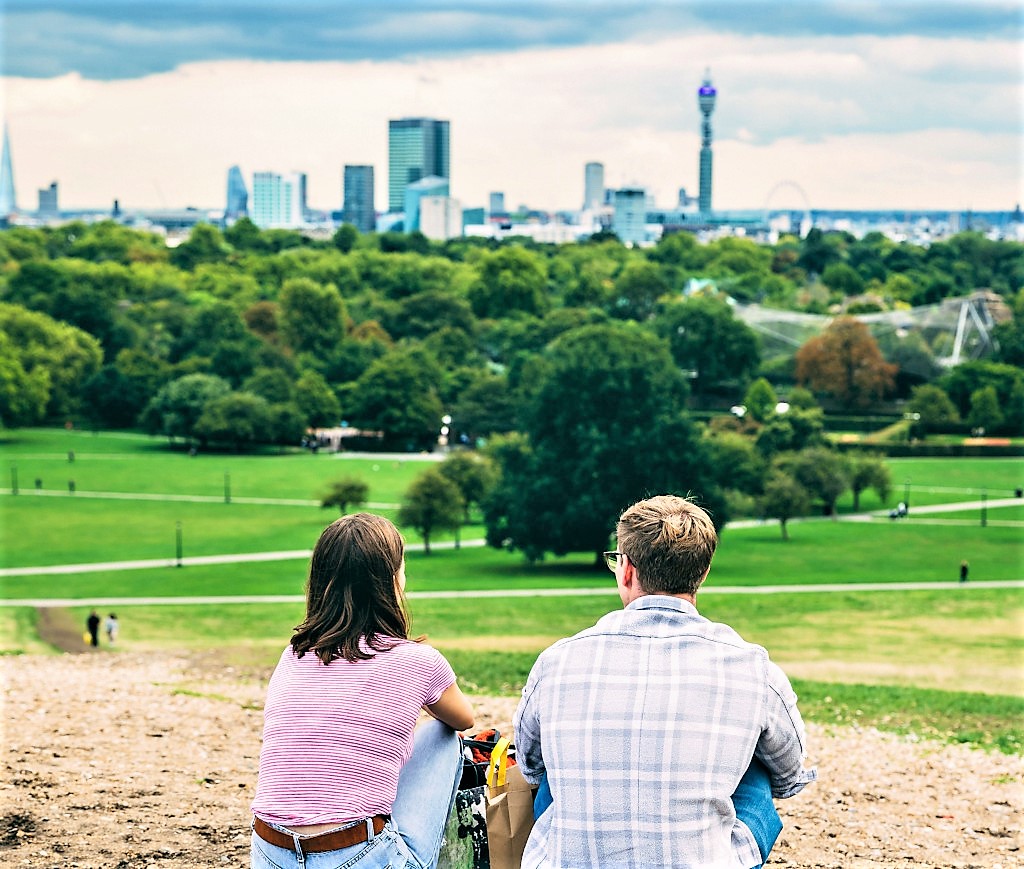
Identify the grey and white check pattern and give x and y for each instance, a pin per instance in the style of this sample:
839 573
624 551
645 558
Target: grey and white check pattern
645 723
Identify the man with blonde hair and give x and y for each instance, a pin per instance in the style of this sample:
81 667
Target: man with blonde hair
658 738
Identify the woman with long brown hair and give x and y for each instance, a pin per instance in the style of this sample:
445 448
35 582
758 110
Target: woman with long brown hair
346 778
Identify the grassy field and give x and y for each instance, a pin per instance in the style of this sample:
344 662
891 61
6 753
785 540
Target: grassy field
939 663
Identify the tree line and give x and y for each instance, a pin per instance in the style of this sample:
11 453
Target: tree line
577 364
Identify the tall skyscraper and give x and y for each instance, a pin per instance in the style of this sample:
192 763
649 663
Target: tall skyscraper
628 221
48 201
8 198
277 200
358 198
417 148
496 202
238 195
593 186
706 100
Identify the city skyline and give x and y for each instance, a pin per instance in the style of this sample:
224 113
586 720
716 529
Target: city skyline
861 105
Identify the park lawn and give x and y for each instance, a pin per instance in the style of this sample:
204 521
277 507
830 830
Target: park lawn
78 529
817 552
139 463
932 478
963 639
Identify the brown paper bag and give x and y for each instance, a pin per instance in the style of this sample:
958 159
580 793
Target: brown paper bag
509 820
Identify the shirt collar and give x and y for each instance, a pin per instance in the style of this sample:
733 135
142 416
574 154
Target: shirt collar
663 601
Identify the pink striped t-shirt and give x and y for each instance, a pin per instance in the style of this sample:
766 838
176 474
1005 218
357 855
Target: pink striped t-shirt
335 737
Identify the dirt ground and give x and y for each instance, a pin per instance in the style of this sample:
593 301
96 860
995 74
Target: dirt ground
120 760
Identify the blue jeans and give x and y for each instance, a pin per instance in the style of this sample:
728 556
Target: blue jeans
752 801
412 838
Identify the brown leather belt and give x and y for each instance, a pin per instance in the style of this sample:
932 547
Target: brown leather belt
345 838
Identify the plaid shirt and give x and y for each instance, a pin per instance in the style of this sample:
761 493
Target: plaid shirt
645 724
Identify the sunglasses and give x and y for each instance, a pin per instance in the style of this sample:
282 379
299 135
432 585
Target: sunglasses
612 559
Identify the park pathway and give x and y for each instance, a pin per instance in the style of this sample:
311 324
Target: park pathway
304 554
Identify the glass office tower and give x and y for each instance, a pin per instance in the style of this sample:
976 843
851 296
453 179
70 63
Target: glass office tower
417 148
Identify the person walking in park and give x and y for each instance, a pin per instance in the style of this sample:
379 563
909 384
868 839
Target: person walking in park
111 627
92 624
343 768
658 738
964 568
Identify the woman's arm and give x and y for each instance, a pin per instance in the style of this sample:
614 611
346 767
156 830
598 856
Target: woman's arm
453 708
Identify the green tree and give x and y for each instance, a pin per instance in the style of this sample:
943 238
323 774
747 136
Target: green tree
23 394
933 409
985 413
431 503
397 395
511 279
784 499
869 472
237 418
341 493
312 317
841 278
794 430
176 408
637 289
316 400
744 463
760 400
486 406
821 471
709 341
50 351
474 474
345 237
205 245
606 427
968 377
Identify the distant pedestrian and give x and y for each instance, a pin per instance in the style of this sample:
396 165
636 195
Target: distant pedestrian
93 624
111 627
963 571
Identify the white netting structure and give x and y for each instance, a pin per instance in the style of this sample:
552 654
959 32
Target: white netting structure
955 330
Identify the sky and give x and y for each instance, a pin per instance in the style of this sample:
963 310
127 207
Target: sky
829 104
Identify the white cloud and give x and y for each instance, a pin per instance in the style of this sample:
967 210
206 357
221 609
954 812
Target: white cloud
859 122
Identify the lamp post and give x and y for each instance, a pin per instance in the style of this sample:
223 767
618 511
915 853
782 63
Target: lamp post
177 543
984 507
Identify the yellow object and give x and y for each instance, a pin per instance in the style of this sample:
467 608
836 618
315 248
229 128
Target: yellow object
86 638
498 766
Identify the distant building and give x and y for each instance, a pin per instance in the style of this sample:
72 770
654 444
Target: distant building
593 186
8 198
496 203
238 196
277 200
48 206
440 217
303 202
358 198
630 215
706 100
417 148
432 185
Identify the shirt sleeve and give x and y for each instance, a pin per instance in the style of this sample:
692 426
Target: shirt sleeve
441 677
526 728
782 745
